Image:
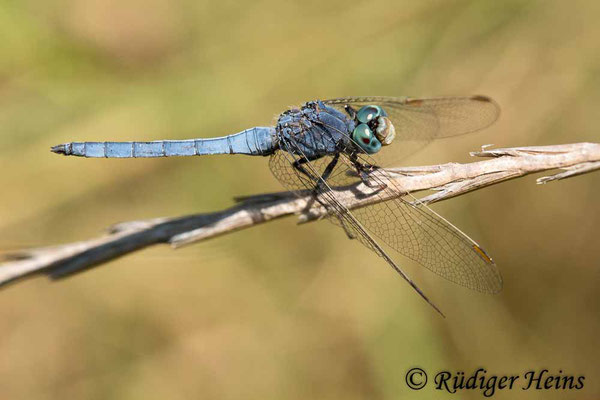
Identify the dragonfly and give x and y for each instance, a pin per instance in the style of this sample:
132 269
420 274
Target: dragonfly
327 144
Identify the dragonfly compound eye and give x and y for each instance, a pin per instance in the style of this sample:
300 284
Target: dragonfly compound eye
363 136
368 113
385 131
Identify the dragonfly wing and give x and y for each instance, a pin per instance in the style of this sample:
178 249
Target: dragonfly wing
419 121
419 233
281 164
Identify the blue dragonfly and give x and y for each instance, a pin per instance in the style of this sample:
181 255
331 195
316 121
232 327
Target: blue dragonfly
328 144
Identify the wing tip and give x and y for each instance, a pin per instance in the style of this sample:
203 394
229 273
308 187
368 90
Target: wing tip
496 108
496 286
483 255
482 98
486 99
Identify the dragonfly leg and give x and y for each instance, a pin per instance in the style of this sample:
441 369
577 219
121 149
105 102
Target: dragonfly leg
298 165
351 111
363 171
320 181
320 184
329 168
349 232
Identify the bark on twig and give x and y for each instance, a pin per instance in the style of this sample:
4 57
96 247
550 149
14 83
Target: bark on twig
447 180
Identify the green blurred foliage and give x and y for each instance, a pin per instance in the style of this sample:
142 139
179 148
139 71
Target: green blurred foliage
285 311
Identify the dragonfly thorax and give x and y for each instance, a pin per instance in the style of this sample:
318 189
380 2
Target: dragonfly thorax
315 130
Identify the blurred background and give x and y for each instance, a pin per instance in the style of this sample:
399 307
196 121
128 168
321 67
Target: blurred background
283 311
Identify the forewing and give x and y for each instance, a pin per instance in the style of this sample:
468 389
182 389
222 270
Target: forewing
419 121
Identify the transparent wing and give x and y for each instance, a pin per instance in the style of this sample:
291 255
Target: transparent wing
422 235
415 231
419 121
281 166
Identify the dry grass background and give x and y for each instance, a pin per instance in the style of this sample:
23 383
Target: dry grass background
282 311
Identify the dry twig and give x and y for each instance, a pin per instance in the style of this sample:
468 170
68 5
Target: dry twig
448 180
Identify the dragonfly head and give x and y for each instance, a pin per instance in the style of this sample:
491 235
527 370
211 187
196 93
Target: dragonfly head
374 129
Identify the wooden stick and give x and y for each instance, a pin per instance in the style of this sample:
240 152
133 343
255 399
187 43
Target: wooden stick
448 180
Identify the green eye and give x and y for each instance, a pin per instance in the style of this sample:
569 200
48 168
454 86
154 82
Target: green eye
363 136
369 113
